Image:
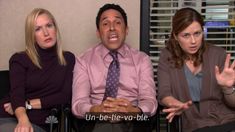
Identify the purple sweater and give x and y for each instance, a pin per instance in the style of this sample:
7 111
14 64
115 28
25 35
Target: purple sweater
52 84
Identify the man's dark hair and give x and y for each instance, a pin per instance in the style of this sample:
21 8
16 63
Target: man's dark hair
107 7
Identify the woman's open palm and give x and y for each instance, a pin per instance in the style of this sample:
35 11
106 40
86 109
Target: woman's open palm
226 78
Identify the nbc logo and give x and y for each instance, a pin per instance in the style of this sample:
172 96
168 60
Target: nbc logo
51 119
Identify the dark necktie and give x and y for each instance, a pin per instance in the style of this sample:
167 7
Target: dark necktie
112 80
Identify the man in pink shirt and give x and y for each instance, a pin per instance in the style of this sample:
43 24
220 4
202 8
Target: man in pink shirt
136 91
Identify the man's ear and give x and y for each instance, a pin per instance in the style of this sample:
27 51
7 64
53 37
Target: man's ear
127 30
97 33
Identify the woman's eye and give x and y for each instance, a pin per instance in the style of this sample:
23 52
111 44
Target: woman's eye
186 35
50 25
198 33
37 29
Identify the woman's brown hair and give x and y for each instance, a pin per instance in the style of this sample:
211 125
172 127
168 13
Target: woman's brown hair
181 20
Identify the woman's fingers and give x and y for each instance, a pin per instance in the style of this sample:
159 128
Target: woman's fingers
217 72
233 65
8 108
170 116
187 104
227 60
170 120
176 109
169 110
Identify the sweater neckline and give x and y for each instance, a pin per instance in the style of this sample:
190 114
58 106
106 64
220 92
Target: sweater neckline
45 53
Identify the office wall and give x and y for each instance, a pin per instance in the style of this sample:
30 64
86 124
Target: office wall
76 20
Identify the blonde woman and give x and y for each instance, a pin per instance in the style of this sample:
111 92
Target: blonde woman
40 77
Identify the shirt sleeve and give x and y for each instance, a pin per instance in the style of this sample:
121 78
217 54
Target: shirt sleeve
147 89
64 95
164 84
81 89
17 70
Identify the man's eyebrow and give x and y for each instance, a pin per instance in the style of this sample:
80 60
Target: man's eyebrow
118 17
104 18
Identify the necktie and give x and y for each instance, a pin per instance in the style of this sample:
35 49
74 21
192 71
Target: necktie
112 80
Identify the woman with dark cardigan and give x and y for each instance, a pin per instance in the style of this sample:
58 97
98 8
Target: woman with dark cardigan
40 77
195 78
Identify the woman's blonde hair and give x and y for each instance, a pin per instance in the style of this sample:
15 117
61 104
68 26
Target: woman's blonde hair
30 41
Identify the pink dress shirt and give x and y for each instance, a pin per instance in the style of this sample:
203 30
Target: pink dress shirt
136 79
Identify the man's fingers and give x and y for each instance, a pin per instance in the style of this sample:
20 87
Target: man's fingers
122 101
109 110
108 105
110 99
122 109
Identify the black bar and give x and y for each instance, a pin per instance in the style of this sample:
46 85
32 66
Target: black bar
144 25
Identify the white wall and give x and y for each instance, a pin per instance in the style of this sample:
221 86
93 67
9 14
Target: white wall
76 20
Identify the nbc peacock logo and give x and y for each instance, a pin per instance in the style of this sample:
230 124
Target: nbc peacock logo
51 119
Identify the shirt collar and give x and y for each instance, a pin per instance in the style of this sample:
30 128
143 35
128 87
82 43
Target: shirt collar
122 51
